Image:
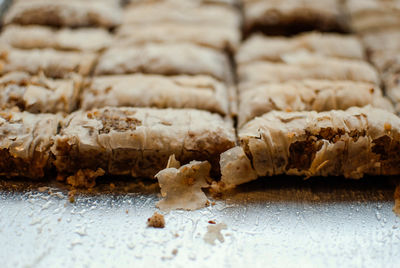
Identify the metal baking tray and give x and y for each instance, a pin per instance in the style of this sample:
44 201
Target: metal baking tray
273 222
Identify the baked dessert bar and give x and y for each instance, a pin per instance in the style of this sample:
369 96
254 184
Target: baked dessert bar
35 36
25 143
167 59
303 66
139 141
183 12
309 95
71 13
385 40
213 36
351 143
373 15
138 90
259 47
39 94
291 16
53 63
388 63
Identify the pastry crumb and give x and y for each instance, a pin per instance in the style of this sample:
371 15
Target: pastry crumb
214 233
156 221
71 196
174 251
85 178
43 189
396 207
211 222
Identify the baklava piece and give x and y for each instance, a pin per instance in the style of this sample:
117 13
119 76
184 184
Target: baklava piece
166 59
292 16
305 66
309 95
373 15
25 143
182 12
34 36
39 94
351 143
139 141
138 90
70 13
213 36
53 63
264 48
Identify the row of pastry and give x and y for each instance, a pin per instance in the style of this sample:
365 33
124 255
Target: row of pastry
160 54
160 83
310 105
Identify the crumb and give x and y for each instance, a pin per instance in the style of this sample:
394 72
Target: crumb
60 178
211 222
176 235
71 196
291 135
207 203
126 211
43 189
174 251
59 219
156 221
112 186
85 178
396 207
388 126
213 203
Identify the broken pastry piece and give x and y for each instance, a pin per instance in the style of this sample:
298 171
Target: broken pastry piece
39 94
25 143
259 47
138 141
373 15
309 95
34 36
70 13
213 36
166 59
351 143
181 186
305 66
292 16
53 63
138 90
